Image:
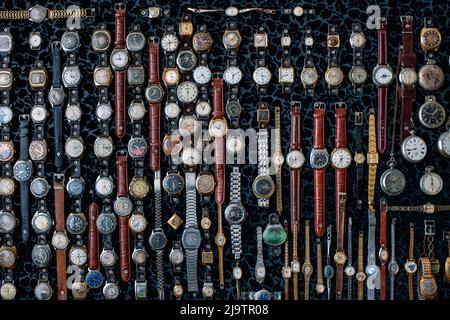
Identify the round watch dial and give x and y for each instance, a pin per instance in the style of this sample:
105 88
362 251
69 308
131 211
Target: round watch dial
173 184
7 222
237 273
334 76
56 96
73 112
205 183
357 40
202 75
75 187
101 40
6 151
79 290
408 77
70 41
235 144
102 76
136 111
191 157
136 76
393 182
262 76
171 77
172 110
106 223
103 147
263 187
186 60
358 75
172 145
119 59
382 75
428 287
43 291
203 109
431 77
71 76
431 183
231 39
176 256
341 158
135 41
430 39
232 75
23 170
38 114
218 127
139 188
157 240
76 223
319 158
6 115
350 271
170 42
37 13
104 186
414 149
111 291
187 92
137 223
202 41
444 144
41 222
78 256
39 187
8 291
295 159
7 187
60 240
94 279
103 111
74 148
137 147
188 125
8 257
139 256
41 256
309 76
123 206
108 258
432 114
231 11
235 214
154 93
410 267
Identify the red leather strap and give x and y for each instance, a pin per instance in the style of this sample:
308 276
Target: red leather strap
407 58
341 187
341 130
124 242
155 141
382 43
120 15
295 197
218 98
319 202
122 175
219 169
295 128
120 90
382 111
408 96
383 243
61 274
59 206
93 238
153 63
319 128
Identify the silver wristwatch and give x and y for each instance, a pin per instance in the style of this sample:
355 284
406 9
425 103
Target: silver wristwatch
393 265
263 185
260 269
176 256
328 271
349 268
372 270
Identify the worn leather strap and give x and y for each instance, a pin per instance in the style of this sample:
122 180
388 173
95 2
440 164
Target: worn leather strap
61 275
219 143
155 141
58 186
382 42
295 197
120 16
93 245
153 62
408 58
120 113
408 96
383 245
319 202
319 128
382 112
61 267
124 243
122 175
218 111
295 127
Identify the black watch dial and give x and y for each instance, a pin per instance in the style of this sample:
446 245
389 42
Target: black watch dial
263 186
173 183
137 147
235 214
106 223
70 41
186 60
76 223
41 255
39 187
157 240
233 109
101 40
23 170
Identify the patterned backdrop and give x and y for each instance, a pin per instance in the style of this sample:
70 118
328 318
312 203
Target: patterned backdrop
342 13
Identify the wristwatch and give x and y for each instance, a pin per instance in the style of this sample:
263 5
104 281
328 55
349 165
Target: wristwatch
446 237
431 76
320 286
361 276
328 271
359 158
383 254
414 149
260 269
428 208
263 295
358 74
309 75
202 42
372 160
307 268
349 268
319 159
177 258
286 271
382 77
23 172
94 278
427 288
431 183
286 72
278 160
262 75
407 76
120 60
38 14
340 258
393 265
334 75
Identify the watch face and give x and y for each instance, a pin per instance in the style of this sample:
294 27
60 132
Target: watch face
6 115
136 111
206 223
41 255
79 290
263 187
137 147
205 184
135 76
7 222
341 158
207 291
101 40
307 269
94 279
41 222
108 258
23 170
432 114
431 77
103 147
6 151
235 214
137 223
76 223
186 60
237 273
43 291
75 187
70 41
187 92
78 256
414 149
360 276
171 77
56 96
170 42
8 257
393 268
261 40
357 40
333 41
286 41
444 144
408 77
6 43
34 40
154 93
334 76
235 144
286 75
176 256
111 291
295 159
74 148
7 187
135 41
60 240
203 109
172 145
188 125
428 287
295 266
157 240
139 188
263 295
39 187
220 240
173 184
393 182
218 127
202 75
231 39
103 111
262 76
102 76
358 75
186 28
430 39
8 291
383 255
172 110
232 75
191 239
382 75
350 271
123 206
202 41
106 223
38 114
119 59
73 112
104 186
231 11
71 76
191 157
6 78
139 256
319 158
37 78
431 183
278 159
410 267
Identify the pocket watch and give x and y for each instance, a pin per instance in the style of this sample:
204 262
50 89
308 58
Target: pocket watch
38 113
431 113
73 113
137 147
414 148
78 256
74 148
60 241
111 291
139 187
187 92
173 184
103 147
39 187
41 222
205 184
431 77
106 223
341 158
172 110
76 223
6 151
43 291
137 223
41 255
104 186
431 183
7 187
444 142
7 222
75 187
393 182
103 111
8 291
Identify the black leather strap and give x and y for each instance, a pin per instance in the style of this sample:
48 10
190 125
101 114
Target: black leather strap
359 118
58 137
56 68
24 136
332 52
286 62
261 59
309 59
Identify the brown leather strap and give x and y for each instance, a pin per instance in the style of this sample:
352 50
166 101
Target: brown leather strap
295 128
155 141
382 42
61 274
319 202
93 238
186 40
319 128
382 111
341 187
218 98
219 169
122 174
124 242
295 197
407 58
339 281
120 15
408 96
59 206
153 62
341 130
120 90
383 243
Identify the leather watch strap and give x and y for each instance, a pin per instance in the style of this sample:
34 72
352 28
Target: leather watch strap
359 158
382 90
120 78
122 174
93 238
124 231
120 22
61 266
319 174
341 142
219 143
153 63
383 247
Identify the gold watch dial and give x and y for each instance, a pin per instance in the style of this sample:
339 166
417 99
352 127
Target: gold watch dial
430 39
333 41
139 188
38 78
186 28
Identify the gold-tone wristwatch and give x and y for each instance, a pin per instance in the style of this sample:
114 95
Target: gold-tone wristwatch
427 283
220 241
307 268
410 265
361 276
39 14
286 270
320 286
295 264
372 160
278 160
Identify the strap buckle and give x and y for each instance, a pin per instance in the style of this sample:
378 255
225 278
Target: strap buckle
379 21
340 105
430 227
358 118
25 117
296 103
90 12
56 45
120 6
121 153
153 39
406 18
319 105
217 75
58 178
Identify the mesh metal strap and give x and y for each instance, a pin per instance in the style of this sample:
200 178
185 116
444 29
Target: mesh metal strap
263 159
235 186
236 240
68 13
158 211
191 201
349 258
15 15
259 256
191 265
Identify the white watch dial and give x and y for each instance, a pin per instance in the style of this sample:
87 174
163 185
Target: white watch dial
218 128
104 186
120 59
408 76
262 76
286 75
172 110
295 159
235 144
35 40
169 42
232 75
103 111
73 112
71 76
136 111
444 144
103 147
431 183
191 157
414 149
38 113
202 75
203 108
187 92
341 158
74 147
78 256
383 75
357 40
